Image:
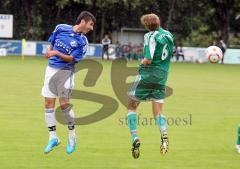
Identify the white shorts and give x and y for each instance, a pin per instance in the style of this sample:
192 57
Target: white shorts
50 72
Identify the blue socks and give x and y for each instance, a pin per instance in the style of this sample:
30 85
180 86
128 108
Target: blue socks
132 124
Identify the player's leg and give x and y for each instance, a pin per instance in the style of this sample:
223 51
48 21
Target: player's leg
69 118
132 124
157 107
238 140
51 124
50 99
132 118
138 92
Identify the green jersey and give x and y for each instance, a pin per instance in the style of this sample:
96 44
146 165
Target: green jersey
158 47
151 80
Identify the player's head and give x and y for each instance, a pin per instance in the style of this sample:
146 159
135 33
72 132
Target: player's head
86 21
150 21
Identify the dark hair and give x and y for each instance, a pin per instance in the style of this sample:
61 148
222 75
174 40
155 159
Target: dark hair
85 15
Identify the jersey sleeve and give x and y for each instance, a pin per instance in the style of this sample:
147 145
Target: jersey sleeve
53 35
150 47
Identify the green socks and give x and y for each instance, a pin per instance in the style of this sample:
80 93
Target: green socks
162 123
132 124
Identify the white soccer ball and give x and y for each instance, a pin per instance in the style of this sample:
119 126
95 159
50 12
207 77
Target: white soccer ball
214 54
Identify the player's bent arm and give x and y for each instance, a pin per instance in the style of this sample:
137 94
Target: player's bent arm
47 54
146 61
67 58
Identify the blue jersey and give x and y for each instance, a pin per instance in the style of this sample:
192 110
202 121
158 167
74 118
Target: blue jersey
68 42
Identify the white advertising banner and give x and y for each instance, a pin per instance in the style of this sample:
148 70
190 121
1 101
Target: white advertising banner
29 48
6 26
3 52
232 56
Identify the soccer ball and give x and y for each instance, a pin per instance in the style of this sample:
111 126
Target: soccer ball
214 54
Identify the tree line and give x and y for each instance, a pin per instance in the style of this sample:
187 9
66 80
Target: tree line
193 22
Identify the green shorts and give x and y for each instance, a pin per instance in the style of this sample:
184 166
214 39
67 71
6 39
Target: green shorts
144 89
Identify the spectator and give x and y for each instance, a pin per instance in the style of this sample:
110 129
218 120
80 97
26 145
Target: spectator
214 43
105 42
180 53
140 51
129 51
135 52
118 50
223 47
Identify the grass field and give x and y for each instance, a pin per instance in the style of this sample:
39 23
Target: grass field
209 94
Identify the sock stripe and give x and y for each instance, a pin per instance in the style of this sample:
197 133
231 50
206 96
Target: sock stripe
71 127
49 110
52 128
131 113
133 131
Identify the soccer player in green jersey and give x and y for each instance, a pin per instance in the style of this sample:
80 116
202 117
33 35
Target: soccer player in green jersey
151 80
238 140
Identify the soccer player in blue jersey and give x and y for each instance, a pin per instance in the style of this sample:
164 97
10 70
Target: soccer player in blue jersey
68 46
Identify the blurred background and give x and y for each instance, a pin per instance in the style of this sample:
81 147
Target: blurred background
193 22
205 95
198 23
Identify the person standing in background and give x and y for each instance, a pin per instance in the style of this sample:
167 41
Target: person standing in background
106 41
223 47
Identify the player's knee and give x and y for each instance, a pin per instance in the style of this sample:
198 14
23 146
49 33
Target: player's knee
64 104
132 105
49 104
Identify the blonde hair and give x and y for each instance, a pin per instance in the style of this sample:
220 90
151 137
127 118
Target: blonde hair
150 21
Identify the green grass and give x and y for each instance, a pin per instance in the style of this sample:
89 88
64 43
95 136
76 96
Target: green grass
210 93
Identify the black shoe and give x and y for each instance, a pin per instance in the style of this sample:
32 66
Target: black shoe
164 143
135 148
